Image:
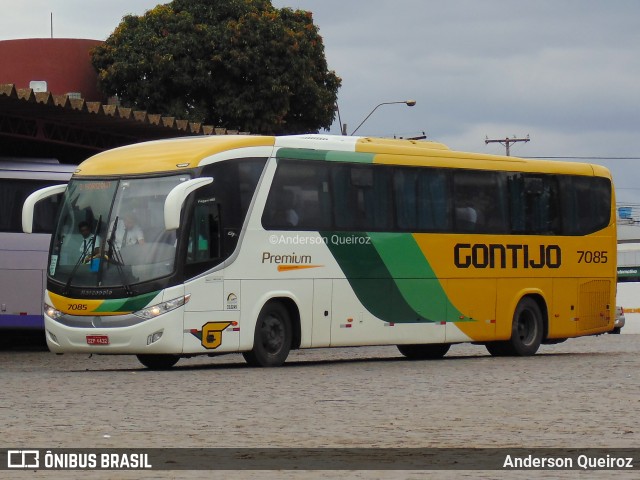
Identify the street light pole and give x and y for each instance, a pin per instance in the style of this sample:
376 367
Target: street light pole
408 103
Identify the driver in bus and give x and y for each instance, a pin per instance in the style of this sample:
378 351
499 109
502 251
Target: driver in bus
90 245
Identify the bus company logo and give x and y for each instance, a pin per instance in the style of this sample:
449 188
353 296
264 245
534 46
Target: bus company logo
96 293
212 334
23 459
287 263
232 301
495 255
293 259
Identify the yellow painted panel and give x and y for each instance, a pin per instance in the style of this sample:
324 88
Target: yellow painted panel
165 155
476 299
562 317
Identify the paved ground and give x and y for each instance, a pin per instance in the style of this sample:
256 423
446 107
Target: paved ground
582 393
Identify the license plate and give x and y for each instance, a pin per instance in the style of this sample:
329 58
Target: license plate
97 340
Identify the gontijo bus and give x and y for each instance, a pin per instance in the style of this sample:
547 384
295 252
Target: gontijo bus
260 245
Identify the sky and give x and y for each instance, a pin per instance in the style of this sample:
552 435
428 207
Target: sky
564 72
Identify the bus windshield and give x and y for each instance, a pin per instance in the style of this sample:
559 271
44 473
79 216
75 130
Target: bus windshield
111 232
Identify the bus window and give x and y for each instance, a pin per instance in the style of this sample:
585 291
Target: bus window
586 204
299 197
534 204
13 193
479 201
363 194
219 211
204 237
421 199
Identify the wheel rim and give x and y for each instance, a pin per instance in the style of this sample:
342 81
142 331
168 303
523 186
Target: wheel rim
527 327
272 333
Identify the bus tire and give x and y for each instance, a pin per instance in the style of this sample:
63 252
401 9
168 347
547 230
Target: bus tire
158 361
272 338
431 351
526 332
526 329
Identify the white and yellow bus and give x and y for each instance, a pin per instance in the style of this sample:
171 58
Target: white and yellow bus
260 245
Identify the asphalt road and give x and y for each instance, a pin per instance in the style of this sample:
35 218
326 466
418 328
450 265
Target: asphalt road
578 394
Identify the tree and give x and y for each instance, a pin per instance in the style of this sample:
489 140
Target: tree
234 63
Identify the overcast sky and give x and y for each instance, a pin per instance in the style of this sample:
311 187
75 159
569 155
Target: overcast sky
565 72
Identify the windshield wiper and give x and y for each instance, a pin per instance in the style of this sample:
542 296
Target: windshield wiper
114 256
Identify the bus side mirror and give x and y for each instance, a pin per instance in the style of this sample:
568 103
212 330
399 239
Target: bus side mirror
30 204
174 201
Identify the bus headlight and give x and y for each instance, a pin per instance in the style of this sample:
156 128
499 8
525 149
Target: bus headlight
164 307
51 312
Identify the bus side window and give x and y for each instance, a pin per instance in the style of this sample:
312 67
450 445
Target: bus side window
45 214
203 241
480 201
534 204
219 210
13 194
586 203
299 197
364 194
421 199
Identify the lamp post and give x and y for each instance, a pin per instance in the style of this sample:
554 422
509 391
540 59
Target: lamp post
408 103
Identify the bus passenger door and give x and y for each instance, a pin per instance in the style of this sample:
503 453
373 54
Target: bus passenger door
321 329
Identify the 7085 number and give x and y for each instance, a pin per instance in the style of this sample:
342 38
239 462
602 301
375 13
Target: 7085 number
588 256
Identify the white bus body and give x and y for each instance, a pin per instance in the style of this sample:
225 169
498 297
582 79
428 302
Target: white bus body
23 258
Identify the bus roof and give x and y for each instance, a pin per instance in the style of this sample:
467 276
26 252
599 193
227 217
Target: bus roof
166 155
25 168
189 152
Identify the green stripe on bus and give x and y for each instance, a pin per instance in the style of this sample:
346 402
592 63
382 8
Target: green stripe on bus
327 155
370 278
414 277
127 304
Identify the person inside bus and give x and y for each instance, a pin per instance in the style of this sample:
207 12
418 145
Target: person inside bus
466 218
128 233
90 245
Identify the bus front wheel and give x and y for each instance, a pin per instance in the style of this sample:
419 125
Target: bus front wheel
158 361
424 352
526 332
272 338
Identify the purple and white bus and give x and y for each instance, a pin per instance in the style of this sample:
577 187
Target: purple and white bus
23 257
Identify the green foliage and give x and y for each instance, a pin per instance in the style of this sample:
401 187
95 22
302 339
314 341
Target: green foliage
233 63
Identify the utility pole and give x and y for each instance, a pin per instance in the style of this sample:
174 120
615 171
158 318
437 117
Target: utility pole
507 142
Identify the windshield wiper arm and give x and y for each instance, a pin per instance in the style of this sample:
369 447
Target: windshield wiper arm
114 256
116 259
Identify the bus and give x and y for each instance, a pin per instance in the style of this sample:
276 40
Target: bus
261 245
628 297
23 258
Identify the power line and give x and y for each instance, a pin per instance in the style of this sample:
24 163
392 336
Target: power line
506 142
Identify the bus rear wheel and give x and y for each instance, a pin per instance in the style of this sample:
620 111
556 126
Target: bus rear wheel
272 338
158 361
526 332
424 352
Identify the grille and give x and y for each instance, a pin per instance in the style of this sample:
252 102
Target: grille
594 308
